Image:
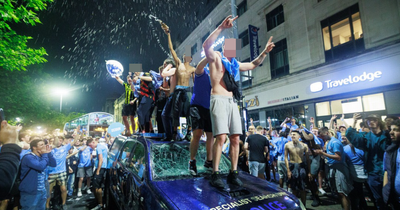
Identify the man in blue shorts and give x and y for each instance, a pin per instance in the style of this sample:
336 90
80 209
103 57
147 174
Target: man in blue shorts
84 167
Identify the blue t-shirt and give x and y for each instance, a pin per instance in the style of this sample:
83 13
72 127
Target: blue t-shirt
102 150
290 127
355 159
334 146
280 147
201 91
85 157
60 154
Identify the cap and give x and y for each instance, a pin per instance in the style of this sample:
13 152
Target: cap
373 116
342 126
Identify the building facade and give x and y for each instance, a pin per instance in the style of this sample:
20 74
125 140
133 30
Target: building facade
330 57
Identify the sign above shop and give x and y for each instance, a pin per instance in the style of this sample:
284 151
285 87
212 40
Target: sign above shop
351 79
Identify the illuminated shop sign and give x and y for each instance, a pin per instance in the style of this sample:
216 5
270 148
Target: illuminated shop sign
329 84
216 43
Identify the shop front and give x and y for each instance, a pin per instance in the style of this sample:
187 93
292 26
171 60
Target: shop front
341 88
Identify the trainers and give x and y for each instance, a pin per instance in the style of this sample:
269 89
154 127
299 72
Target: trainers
315 202
322 191
88 191
64 207
208 164
97 207
216 180
193 167
79 194
233 178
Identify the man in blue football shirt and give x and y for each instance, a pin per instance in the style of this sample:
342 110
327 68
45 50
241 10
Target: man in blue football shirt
58 174
100 170
84 167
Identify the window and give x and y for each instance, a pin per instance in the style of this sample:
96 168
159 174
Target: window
194 49
246 76
125 154
244 36
345 106
204 37
373 102
279 60
323 108
242 8
138 160
275 18
342 34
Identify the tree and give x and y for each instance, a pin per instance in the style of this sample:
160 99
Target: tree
14 52
26 95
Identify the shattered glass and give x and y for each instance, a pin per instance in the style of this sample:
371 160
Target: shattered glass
171 161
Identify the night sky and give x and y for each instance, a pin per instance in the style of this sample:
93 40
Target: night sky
80 35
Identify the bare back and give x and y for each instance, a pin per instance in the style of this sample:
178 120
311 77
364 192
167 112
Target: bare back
217 71
296 151
183 74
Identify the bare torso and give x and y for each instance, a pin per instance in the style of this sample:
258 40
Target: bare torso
296 151
183 74
172 83
217 70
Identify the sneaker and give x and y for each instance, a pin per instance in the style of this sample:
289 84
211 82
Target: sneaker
216 180
315 202
79 194
193 167
322 191
88 191
233 178
64 207
208 164
98 207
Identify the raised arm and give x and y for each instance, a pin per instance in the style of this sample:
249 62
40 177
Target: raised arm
168 71
200 66
145 78
331 124
207 45
256 62
171 48
344 122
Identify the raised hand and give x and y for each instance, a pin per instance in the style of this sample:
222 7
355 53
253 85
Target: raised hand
165 27
228 22
311 119
333 117
269 120
270 45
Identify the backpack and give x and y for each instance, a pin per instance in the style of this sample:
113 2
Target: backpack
17 180
232 85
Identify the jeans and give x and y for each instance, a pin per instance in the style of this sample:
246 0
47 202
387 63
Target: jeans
70 184
375 183
166 118
33 202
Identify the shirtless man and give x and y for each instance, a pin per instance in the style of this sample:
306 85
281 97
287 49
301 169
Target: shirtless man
296 168
225 115
182 74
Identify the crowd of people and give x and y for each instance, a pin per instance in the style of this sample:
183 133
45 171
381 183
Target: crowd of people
338 157
343 158
35 165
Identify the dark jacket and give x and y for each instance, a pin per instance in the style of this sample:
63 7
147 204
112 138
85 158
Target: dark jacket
390 165
9 162
374 147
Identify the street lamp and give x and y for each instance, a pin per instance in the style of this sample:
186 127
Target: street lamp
61 92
